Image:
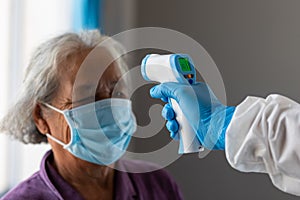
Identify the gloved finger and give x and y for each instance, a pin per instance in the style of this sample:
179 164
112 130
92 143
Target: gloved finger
164 99
168 112
172 126
174 136
164 91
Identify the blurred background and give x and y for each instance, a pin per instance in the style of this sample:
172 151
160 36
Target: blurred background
255 45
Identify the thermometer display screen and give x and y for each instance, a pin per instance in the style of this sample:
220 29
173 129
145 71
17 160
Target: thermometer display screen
184 64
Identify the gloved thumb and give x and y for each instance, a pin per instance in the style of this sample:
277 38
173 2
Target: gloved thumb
165 91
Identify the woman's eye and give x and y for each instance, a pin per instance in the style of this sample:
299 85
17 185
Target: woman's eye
119 94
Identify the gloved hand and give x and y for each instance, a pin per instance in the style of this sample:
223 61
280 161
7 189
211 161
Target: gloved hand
207 115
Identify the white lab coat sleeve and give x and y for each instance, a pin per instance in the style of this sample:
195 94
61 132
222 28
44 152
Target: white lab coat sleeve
264 136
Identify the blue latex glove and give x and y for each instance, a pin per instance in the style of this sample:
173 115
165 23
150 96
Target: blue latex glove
207 115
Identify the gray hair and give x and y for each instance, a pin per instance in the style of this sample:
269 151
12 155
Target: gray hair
41 81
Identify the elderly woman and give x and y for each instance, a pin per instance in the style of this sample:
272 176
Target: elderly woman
88 134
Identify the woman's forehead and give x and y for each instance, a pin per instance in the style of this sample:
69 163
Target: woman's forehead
87 76
84 69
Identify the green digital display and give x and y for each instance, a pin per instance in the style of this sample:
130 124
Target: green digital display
184 64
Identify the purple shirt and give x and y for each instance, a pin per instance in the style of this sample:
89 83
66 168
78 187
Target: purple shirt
48 184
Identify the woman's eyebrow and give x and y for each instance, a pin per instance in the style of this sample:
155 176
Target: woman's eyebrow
113 83
118 82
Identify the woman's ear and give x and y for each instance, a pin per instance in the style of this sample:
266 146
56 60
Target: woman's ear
39 120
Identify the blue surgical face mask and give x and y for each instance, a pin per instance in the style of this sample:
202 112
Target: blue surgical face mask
100 131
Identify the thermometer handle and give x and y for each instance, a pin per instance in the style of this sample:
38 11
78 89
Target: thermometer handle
188 142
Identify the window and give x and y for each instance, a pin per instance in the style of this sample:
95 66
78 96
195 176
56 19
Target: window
25 24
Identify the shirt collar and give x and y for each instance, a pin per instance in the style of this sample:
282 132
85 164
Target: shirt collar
44 175
57 184
124 188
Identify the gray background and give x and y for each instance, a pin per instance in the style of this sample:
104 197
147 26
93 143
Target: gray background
256 46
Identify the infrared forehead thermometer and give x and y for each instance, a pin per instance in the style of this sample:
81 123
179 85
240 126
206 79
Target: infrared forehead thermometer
174 68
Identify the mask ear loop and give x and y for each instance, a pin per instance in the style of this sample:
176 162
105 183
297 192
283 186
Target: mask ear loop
52 107
55 140
47 134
